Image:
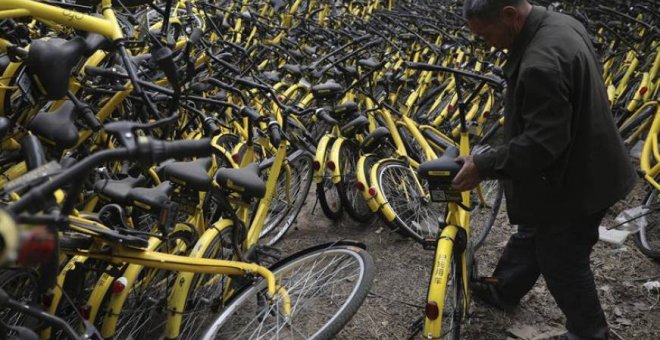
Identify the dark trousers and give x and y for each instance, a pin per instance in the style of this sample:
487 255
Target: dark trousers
561 253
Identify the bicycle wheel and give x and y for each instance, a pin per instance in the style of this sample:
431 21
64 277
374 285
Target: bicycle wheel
484 216
631 125
648 237
299 183
452 312
407 197
21 285
143 312
206 292
328 195
326 286
348 192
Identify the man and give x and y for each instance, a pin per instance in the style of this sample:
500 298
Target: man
563 163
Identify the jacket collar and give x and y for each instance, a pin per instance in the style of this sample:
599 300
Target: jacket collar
532 24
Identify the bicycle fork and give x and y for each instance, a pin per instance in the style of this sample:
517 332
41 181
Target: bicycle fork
449 269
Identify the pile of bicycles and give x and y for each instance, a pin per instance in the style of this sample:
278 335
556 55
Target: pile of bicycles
153 154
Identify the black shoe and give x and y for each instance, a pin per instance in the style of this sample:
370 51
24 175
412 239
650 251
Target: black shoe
485 290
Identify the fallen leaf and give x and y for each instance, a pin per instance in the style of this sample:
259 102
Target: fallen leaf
617 311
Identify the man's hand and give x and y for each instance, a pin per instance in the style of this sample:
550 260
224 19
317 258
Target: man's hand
468 178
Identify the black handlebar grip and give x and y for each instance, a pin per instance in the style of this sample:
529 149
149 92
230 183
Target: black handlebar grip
90 119
94 71
250 113
223 85
33 152
162 150
323 114
210 127
250 83
420 66
275 133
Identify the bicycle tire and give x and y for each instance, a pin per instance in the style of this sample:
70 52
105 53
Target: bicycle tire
452 310
445 289
493 193
647 239
206 291
350 195
301 181
21 285
397 182
143 311
631 125
316 265
328 194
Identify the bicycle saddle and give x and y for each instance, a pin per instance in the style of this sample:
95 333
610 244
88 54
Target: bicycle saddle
370 63
294 70
272 76
350 71
54 81
326 91
193 174
151 199
116 190
436 139
245 181
354 126
57 128
311 50
346 109
443 168
95 42
374 139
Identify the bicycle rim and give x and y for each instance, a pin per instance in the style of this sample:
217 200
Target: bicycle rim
22 286
326 287
648 237
301 181
484 216
453 307
350 195
144 312
206 293
415 213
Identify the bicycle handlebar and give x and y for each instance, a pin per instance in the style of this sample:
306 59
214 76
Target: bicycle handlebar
148 150
493 80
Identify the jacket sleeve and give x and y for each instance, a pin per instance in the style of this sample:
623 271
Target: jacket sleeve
546 113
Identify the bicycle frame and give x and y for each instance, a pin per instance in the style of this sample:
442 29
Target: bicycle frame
457 222
650 157
106 26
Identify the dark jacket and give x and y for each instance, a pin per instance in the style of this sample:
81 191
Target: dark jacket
563 157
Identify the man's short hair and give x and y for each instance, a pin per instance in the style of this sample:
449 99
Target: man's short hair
486 9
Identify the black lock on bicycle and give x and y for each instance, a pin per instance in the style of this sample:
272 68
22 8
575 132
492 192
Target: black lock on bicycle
439 174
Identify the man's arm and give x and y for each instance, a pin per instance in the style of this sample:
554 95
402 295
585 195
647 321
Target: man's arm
547 116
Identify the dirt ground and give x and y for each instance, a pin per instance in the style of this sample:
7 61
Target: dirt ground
398 294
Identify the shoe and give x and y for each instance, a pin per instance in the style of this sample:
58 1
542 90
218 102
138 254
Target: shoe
485 290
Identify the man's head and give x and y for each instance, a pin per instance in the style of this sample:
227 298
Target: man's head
498 22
